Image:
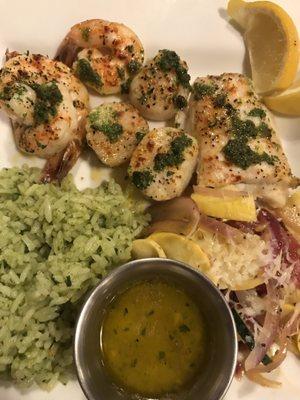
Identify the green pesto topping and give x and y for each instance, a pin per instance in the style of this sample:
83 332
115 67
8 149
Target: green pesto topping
129 48
184 328
201 89
220 100
133 67
238 152
104 120
11 90
175 156
257 112
112 130
180 102
264 131
126 86
86 73
142 179
48 98
85 33
245 128
68 281
248 129
169 60
139 136
121 73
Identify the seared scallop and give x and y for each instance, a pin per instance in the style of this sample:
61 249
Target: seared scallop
114 130
163 163
161 87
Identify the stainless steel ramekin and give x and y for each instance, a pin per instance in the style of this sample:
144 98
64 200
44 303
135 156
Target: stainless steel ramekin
215 378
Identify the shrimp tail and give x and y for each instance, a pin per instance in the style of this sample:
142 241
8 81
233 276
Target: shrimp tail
58 166
67 52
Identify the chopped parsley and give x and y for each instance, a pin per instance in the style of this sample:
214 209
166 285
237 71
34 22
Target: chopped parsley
161 355
257 112
245 128
220 100
106 123
142 179
169 60
133 67
121 73
139 136
264 131
68 281
86 73
175 156
10 90
129 48
238 152
201 89
85 33
126 86
48 98
112 130
180 102
184 328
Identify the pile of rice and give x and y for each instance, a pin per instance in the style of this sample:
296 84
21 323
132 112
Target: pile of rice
55 244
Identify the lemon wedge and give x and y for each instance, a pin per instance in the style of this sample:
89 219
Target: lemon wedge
146 248
272 42
239 208
287 102
182 249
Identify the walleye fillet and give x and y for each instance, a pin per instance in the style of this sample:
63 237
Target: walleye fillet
238 143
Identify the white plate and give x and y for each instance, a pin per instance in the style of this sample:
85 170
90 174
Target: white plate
198 30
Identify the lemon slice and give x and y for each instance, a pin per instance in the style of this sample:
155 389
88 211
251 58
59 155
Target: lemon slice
287 102
182 249
239 208
146 248
272 42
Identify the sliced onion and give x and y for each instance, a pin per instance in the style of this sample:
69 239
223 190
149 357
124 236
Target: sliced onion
261 380
281 241
279 357
269 331
180 215
217 227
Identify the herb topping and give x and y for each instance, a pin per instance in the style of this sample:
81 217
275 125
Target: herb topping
86 73
142 179
175 156
201 89
48 98
169 60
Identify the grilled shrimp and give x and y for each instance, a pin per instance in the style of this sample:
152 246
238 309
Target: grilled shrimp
161 87
104 54
163 163
47 106
114 130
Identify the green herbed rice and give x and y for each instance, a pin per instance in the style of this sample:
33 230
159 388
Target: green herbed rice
56 243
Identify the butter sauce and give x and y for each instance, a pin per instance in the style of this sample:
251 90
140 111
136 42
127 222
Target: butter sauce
153 338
